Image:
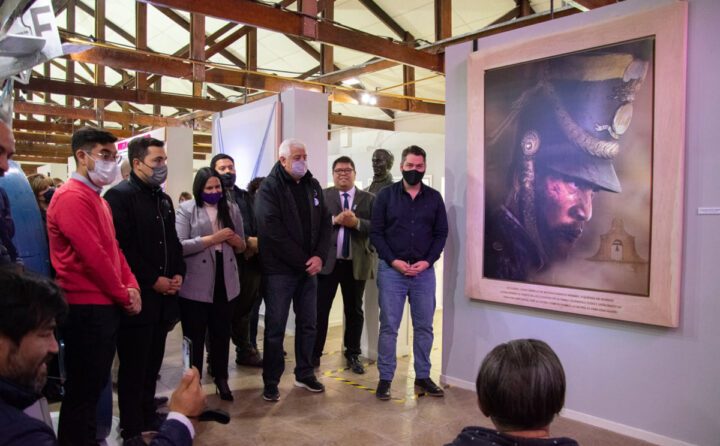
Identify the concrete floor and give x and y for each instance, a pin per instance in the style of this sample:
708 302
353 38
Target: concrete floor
347 413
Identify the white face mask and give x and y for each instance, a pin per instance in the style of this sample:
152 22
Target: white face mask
299 168
104 172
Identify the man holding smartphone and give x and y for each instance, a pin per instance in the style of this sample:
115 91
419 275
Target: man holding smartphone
29 310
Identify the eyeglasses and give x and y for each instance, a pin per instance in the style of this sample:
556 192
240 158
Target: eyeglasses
345 171
106 156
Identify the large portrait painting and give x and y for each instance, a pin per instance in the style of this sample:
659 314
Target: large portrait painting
575 169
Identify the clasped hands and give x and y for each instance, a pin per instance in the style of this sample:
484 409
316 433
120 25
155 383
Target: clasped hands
346 218
407 269
165 285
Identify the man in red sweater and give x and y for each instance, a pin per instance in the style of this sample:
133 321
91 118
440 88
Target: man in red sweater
95 277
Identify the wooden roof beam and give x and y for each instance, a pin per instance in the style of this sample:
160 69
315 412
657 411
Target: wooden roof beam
180 20
352 121
289 22
378 64
592 4
443 19
131 60
109 23
40 126
124 95
21 158
96 115
388 21
64 135
227 41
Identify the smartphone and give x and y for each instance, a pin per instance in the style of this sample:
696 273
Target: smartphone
187 353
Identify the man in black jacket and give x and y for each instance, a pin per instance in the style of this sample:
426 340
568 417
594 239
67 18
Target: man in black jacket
294 236
30 307
144 220
248 264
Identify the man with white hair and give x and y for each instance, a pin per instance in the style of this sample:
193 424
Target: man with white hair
294 232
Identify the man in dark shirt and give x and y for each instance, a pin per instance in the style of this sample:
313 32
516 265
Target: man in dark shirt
248 264
294 236
409 227
144 220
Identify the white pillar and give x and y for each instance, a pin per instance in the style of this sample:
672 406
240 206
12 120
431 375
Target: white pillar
179 147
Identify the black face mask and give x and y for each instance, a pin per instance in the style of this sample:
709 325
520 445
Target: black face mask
227 180
412 177
47 195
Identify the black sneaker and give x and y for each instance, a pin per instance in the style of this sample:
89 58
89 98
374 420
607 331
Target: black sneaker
355 365
311 383
271 393
383 390
429 387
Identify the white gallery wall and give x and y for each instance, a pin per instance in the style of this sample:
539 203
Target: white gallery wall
660 384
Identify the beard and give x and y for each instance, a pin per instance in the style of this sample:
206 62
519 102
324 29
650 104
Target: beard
30 376
559 239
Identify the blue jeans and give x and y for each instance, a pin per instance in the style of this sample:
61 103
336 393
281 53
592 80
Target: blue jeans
279 291
393 288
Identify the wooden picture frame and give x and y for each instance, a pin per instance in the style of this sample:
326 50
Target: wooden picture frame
559 275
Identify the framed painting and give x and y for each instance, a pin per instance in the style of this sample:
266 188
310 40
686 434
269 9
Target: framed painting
575 169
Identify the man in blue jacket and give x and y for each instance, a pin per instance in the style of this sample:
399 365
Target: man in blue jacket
29 310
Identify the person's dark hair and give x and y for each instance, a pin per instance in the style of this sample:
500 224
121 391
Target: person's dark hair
138 148
415 150
344 159
186 195
254 185
218 157
29 302
87 137
201 178
521 385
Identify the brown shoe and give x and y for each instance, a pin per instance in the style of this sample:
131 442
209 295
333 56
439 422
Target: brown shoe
252 359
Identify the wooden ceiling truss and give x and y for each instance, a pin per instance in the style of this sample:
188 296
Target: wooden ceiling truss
87 94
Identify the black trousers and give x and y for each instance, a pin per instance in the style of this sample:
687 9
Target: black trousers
89 333
197 318
140 349
352 293
243 305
